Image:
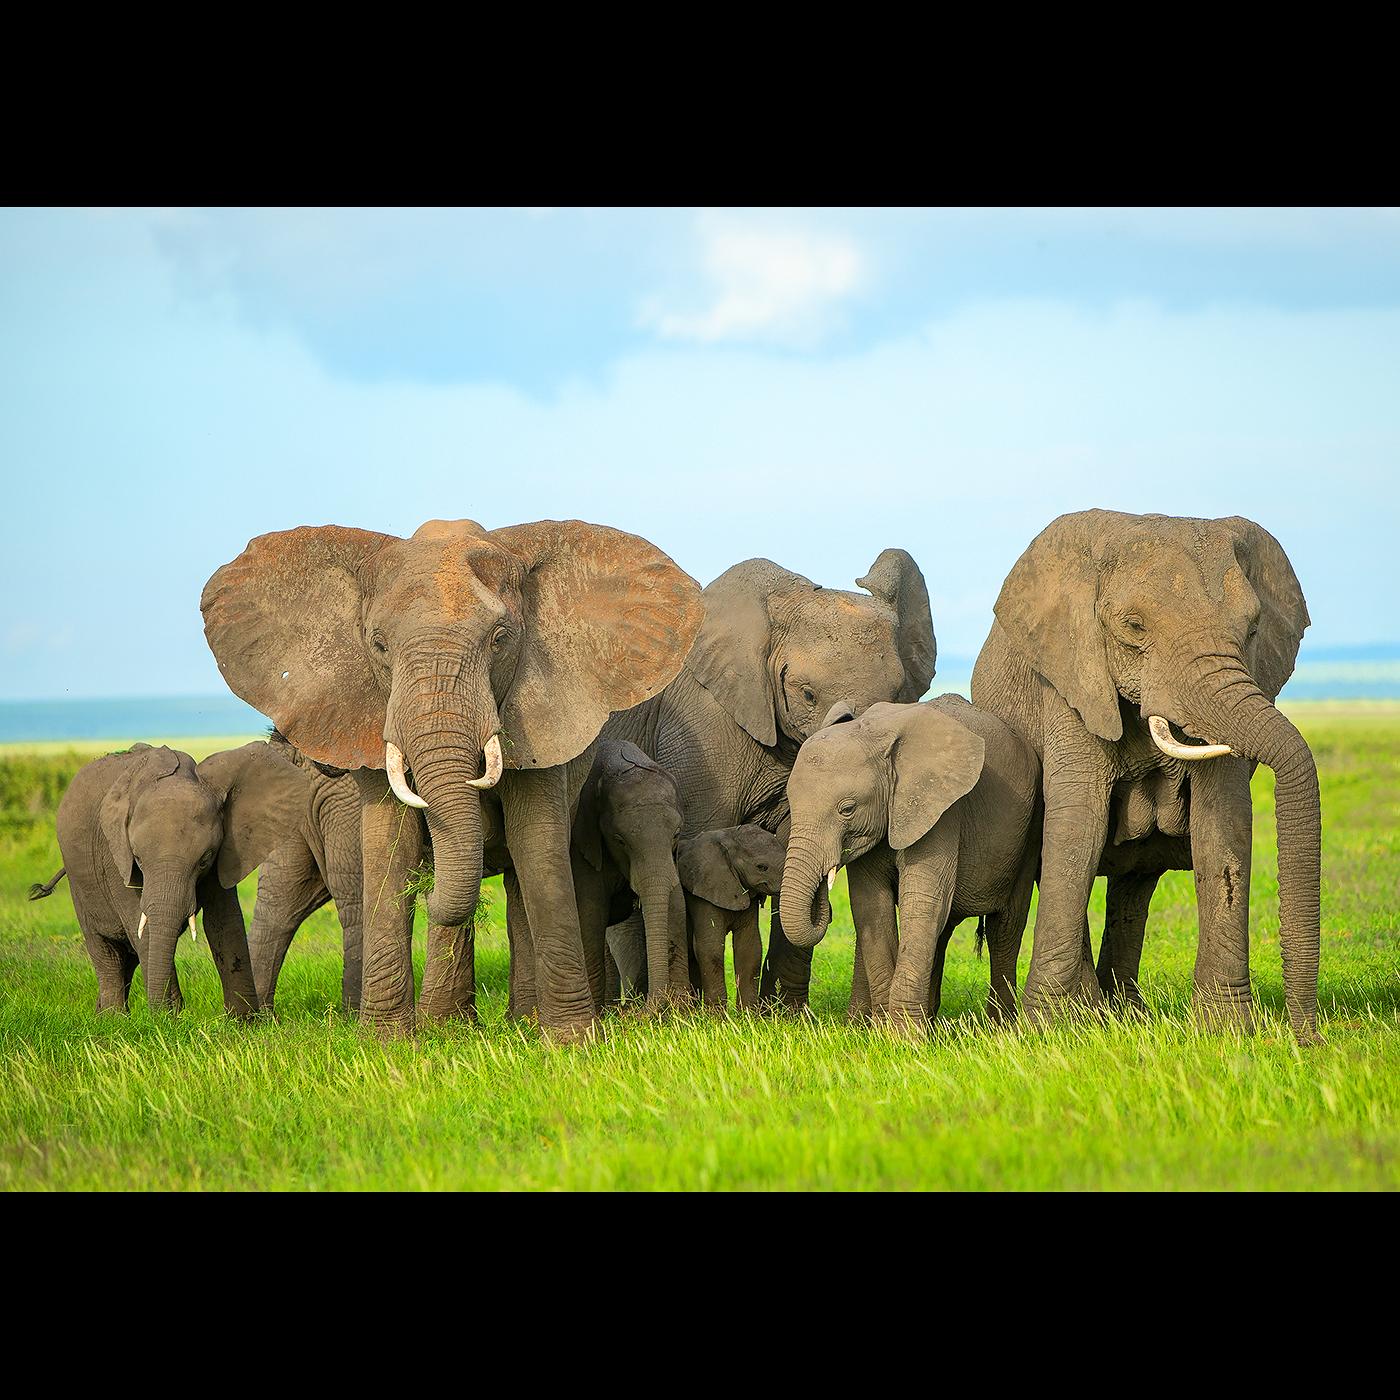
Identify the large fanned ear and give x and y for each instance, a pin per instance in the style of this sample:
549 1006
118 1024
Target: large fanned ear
284 621
704 869
934 761
730 657
265 799
143 765
896 579
587 836
1048 607
609 619
1283 615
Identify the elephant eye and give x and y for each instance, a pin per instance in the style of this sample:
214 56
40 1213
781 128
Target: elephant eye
847 808
499 638
379 644
1134 624
809 695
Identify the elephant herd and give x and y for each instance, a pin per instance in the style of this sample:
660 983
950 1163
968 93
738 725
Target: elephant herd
645 761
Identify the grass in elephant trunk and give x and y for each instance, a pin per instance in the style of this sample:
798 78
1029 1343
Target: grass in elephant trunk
197 1101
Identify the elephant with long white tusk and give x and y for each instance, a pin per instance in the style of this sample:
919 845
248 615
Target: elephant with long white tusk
1109 630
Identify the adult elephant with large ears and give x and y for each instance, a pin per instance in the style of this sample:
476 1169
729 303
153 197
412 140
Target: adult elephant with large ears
460 668
776 652
1140 655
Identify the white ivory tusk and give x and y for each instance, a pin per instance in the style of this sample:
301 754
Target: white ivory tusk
141 927
831 878
393 761
1162 737
193 935
495 764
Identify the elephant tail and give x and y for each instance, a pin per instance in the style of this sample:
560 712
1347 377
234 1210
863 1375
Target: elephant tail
44 891
981 933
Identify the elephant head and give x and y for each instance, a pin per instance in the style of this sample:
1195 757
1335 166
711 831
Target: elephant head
1196 625
777 650
170 822
631 808
370 651
728 867
887 776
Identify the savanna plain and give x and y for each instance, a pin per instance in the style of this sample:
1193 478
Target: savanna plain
312 1101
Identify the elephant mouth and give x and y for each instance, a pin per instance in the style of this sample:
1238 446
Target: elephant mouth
398 774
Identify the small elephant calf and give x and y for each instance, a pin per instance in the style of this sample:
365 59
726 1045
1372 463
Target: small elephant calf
726 875
933 807
149 838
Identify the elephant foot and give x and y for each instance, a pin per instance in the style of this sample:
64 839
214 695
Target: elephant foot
908 1023
1226 1009
1124 998
1044 1006
587 1033
1306 1036
390 1025
998 1013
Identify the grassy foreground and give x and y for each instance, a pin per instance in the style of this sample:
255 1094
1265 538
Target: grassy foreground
311 1102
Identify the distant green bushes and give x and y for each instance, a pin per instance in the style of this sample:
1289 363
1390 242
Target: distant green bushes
32 786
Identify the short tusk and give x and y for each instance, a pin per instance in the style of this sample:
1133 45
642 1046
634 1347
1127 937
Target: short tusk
495 764
141 927
831 878
1162 737
193 935
393 761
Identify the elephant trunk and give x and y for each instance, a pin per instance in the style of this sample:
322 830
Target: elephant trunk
168 902
655 894
804 908
441 719
1236 712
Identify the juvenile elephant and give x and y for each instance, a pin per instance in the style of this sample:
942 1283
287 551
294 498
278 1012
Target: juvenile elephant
954 794
1120 641
382 655
629 816
149 838
319 862
727 874
776 652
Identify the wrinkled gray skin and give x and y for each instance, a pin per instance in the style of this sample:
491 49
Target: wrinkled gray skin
354 641
318 863
1106 620
154 833
624 842
776 652
727 875
933 808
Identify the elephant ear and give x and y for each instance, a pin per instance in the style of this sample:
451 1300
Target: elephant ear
1283 615
897 580
704 869
934 761
1048 607
265 800
141 767
609 619
730 657
587 833
284 621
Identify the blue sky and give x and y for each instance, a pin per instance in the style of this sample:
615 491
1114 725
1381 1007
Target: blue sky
808 385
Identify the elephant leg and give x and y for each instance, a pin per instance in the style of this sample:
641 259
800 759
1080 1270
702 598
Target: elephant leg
449 974
748 957
290 889
1003 931
612 978
708 927
872 893
1221 829
593 899
539 832
628 944
1076 827
682 988
1124 927
858 1007
524 1001
927 878
787 970
115 966
344 876
227 937
392 845
935 980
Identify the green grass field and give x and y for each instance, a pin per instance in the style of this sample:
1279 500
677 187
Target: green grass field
693 1102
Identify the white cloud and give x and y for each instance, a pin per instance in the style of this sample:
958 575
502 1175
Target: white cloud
777 286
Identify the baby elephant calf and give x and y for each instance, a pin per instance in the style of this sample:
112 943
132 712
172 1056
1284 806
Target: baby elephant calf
726 874
149 838
932 807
